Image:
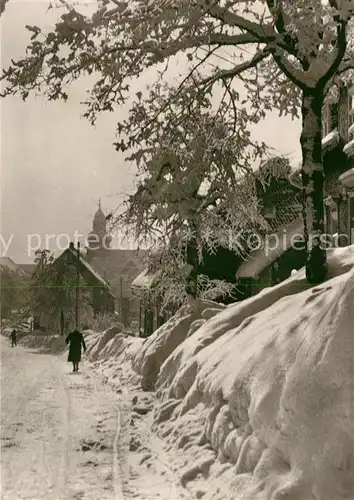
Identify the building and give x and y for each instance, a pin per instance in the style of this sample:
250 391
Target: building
9 264
338 165
220 264
97 292
28 268
263 269
274 257
118 267
280 202
150 317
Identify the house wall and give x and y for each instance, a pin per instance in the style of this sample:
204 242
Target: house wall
119 268
335 162
101 300
336 207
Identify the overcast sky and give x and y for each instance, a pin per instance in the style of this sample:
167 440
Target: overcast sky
54 164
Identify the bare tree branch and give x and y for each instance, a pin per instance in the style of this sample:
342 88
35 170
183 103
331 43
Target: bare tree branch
219 39
289 71
233 20
240 68
341 49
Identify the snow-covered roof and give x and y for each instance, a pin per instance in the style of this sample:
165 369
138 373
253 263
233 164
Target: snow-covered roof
91 270
28 268
347 178
351 129
9 263
349 149
118 267
260 259
145 280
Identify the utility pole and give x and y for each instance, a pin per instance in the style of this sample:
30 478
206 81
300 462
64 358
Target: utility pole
77 287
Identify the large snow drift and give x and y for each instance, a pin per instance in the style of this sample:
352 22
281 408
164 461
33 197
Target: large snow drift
164 341
157 348
260 398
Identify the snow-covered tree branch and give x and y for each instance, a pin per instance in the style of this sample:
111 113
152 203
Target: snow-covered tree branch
283 53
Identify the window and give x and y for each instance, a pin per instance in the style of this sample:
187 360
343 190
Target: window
351 113
269 212
333 110
325 120
351 110
330 118
331 216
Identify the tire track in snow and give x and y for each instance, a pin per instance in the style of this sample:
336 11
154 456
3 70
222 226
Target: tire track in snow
37 469
122 465
117 473
172 479
26 394
64 465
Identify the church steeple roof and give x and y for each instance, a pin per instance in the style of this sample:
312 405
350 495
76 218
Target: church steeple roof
99 234
99 220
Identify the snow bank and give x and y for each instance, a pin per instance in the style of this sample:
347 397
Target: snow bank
259 399
54 344
94 350
112 343
110 354
201 334
157 348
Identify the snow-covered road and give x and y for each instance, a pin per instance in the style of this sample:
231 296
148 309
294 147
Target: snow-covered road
58 430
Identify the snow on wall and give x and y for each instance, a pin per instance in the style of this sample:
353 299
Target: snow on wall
259 399
330 140
260 259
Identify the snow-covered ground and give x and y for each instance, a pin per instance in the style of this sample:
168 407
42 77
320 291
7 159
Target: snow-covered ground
253 401
147 472
74 436
58 430
257 402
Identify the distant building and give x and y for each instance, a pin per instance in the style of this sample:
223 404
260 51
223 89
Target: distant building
220 265
101 300
118 267
9 264
28 268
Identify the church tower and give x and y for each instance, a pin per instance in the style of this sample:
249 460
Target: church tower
98 238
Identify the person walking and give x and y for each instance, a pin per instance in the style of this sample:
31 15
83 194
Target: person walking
13 338
75 340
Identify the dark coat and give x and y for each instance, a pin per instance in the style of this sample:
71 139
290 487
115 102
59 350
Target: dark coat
76 340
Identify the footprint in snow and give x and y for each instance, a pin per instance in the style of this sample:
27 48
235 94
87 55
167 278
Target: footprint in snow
10 444
93 445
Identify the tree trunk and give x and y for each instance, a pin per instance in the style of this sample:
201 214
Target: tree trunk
192 260
312 182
